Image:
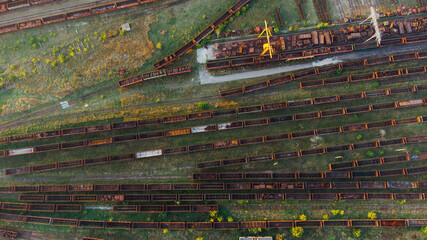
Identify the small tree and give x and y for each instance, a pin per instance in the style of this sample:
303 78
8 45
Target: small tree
325 216
159 45
297 231
375 84
359 136
280 236
302 217
255 230
356 232
62 58
424 230
55 51
369 153
337 211
212 213
372 215
203 105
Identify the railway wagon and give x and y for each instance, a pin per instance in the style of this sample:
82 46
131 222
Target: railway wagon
103 8
50 147
216 225
184 49
265 107
4 233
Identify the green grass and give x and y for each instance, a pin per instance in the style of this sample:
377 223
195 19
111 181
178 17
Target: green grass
261 10
180 95
69 79
147 107
244 212
179 164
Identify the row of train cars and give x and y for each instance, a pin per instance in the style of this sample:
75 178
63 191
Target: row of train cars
238 124
292 77
220 113
69 15
244 160
284 56
206 183
40 207
214 225
216 197
311 53
211 146
7 5
358 64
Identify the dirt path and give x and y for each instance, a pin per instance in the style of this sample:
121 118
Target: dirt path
27 235
207 78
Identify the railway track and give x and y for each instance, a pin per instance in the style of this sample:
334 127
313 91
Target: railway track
382 207
216 114
280 224
383 77
239 124
286 155
51 12
24 119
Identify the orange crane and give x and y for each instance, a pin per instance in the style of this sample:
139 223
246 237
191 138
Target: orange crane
267 46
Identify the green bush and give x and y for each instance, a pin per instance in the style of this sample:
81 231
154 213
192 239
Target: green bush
203 105
203 43
375 84
356 232
369 153
55 51
359 136
12 77
297 231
